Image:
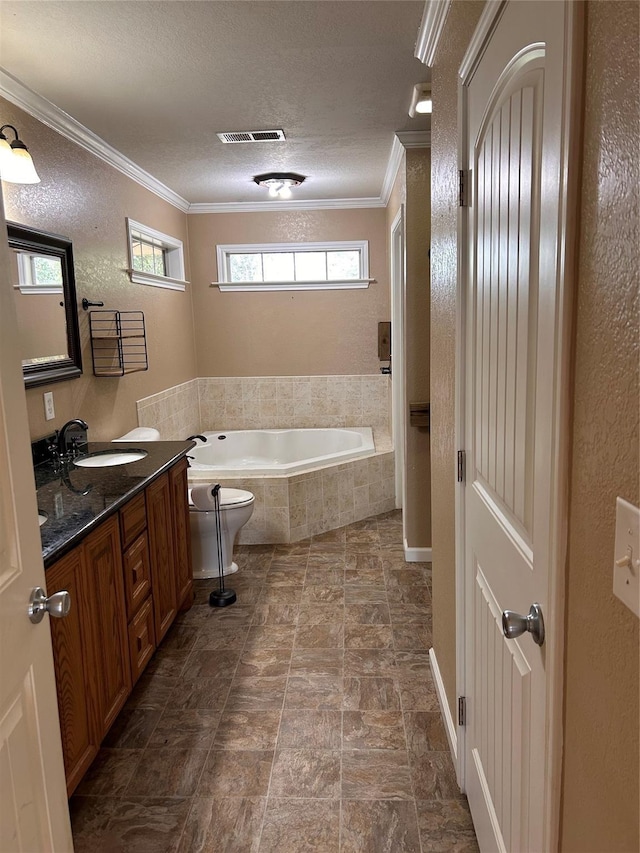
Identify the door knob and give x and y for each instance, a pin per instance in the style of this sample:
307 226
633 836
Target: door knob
514 624
58 604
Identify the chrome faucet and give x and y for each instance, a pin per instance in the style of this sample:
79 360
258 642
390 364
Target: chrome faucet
63 445
201 437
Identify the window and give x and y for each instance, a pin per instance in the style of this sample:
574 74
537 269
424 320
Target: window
155 258
294 266
39 273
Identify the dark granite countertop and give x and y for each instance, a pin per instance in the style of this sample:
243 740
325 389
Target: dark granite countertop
76 500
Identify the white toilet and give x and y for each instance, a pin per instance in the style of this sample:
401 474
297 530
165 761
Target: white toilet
236 508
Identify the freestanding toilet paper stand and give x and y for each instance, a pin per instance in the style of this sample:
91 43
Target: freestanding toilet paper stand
220 597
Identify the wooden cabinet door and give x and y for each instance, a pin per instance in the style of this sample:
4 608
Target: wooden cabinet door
181 534
161 552
137 574
71 641
110 678
142 643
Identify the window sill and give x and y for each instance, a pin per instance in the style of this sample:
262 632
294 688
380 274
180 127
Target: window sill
37 288
260 286
138 277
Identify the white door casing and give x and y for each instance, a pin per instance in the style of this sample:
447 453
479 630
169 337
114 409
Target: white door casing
398 395
518 80
34 814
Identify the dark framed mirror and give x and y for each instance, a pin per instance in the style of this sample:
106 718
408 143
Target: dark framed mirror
45 297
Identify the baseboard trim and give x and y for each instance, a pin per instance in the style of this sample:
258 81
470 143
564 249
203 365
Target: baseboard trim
416 555
449 722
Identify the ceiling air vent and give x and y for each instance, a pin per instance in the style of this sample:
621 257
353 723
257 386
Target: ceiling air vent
252 136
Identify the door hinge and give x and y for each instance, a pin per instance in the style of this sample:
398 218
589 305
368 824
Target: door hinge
464 198
462 465
462 710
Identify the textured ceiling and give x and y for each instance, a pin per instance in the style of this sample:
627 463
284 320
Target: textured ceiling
158 80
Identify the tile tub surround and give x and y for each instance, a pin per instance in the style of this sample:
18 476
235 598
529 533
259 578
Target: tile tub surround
303 718
269 402
288 509
175 412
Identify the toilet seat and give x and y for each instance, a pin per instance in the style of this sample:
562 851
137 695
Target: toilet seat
229 499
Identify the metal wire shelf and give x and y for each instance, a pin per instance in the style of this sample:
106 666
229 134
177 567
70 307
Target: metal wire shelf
118 342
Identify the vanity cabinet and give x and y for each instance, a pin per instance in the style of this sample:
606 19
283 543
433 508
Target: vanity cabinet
105 591
181 532
127 580
169 546
74 671
162 554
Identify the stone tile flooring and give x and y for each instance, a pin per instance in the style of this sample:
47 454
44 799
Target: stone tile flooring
301 718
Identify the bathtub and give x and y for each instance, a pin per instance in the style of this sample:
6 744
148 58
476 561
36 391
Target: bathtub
278 452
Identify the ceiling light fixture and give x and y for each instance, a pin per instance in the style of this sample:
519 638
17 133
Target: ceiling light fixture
279 184
421 102
16 165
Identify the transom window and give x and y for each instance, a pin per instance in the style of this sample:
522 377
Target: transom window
293 266
148 254
155 258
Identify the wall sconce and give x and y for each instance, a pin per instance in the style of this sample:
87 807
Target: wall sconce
16 165
279 183
421 102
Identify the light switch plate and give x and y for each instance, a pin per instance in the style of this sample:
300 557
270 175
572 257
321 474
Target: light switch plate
626 560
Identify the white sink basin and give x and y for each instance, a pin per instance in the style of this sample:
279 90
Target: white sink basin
109 458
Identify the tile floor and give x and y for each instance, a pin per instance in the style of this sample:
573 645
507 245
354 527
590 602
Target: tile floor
301 718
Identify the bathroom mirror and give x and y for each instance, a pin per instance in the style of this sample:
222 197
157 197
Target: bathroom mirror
45 297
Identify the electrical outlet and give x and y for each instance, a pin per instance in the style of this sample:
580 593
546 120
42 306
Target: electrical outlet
626 559
49 410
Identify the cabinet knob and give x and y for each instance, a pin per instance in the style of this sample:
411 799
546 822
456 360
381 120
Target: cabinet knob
58 604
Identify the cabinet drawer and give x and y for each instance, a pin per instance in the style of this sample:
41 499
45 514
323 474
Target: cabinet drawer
133 519
141 639
137 574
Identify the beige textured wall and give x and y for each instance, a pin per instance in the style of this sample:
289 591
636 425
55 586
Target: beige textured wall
417 515
323 332
460 24
86 200
601 772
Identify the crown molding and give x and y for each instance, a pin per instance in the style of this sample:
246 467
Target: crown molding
435 14
46 112
414 138
283 206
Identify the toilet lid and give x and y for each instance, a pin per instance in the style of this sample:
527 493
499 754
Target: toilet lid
229 498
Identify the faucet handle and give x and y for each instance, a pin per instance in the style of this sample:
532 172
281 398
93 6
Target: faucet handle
53 448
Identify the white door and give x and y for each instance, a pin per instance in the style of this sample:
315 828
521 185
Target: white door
516 96
34 815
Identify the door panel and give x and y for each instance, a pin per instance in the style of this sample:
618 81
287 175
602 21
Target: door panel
506 293
33 805
515 90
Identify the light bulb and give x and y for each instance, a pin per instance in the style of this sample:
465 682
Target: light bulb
424 106
273 190
285 192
